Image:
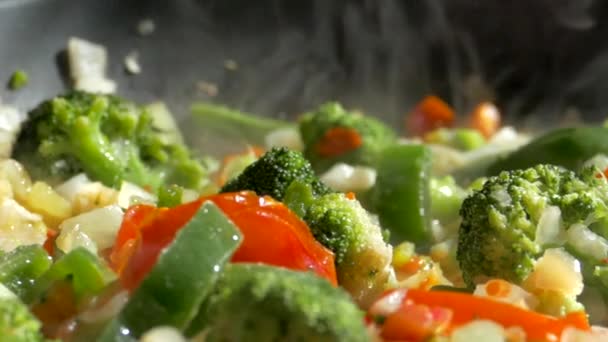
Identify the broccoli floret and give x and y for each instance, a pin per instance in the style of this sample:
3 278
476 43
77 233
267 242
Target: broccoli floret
109 138
265 303
498 233
273 172
17 324
332 134
363 258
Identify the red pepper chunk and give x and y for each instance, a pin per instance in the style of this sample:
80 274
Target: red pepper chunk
272 234
467 307
338 141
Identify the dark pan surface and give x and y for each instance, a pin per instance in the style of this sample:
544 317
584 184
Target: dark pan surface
541 58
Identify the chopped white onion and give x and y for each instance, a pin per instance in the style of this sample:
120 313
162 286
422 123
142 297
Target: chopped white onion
100 226
70 188
10 123
107 310
19 227
557 271
343 177
88 66
480 330
389 303
146 27
285 137
163 334
549 229
571 334
130 193
587 242
516 295
132 63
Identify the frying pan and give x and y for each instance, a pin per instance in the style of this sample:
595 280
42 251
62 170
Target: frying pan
539 60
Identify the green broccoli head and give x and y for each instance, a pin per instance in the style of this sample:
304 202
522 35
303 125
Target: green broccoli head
108 138
273 172
17 324
265 303
332 134
497 236
363 258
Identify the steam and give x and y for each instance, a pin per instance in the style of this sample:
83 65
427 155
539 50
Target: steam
382 57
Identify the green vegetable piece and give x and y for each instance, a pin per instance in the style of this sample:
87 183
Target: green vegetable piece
17 324
362 256
401 195
181 279
18 80
468 139
315 125
86 273
497 236
465 139
21 267
170 196
219 123
567 147
254 302
273 172
108 138
299 197
446 198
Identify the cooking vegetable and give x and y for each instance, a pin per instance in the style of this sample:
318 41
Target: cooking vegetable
21 267
498 237
567 147
401 194
181 278
81 269
227 124
273 235
234 164
459 138
109 138
273 173
18 80
362 257
17 324
465 308
331 134
446 198
429 114
263 303
485 118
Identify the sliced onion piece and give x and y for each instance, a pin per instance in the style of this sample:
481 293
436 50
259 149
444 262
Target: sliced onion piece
94 230
389 303
557 271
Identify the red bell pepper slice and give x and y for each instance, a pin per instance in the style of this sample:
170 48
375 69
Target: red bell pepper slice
272 234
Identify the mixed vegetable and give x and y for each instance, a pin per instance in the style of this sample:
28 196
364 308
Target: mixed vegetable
332 228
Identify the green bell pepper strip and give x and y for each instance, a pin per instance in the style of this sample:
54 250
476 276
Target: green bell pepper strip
181 279
85 271
567 147
401 196
219 123
20 268
170 195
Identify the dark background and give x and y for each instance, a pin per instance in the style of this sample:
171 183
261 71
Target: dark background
540 60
